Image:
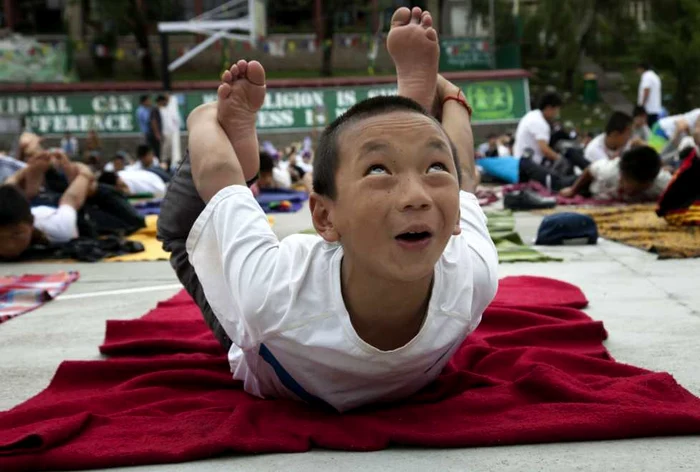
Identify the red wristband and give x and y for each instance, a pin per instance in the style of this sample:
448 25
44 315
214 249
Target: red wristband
459 99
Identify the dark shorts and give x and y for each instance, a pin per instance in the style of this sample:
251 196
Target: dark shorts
178 212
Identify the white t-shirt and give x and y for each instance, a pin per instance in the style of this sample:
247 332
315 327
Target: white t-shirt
281 176
59 225
651 81
606 182
597 150
533 127
143 181
669 124
282 306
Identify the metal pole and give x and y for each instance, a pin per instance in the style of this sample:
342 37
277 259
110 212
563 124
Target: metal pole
492 20
164 60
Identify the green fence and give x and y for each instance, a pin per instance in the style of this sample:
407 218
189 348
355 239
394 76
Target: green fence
284 110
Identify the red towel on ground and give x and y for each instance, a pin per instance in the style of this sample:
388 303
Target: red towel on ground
21 294
534 371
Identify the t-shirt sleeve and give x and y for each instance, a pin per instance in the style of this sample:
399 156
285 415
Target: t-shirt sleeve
646 82
58 226
476 246
593 152
235 254
542 131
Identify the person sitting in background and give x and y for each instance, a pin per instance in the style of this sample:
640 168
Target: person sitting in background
534 131
147 161
635 177
21 224
93 142
120 161
135 182
609 144
94 161
69 145
491 148
640 128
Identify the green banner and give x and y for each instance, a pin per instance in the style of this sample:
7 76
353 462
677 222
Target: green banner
459 54
284 110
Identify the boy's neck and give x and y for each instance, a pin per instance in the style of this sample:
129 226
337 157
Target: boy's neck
385 314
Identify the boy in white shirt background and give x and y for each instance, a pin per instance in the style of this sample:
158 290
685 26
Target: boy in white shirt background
372 309
612 142
535 130
649 93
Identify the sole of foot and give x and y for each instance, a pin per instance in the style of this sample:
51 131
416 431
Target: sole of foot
240 96
413 46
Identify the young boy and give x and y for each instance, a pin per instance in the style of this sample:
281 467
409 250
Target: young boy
373 309
640 129
609 144
635 177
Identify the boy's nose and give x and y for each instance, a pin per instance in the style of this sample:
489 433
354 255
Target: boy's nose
413 195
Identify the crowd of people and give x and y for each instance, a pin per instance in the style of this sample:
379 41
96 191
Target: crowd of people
632 160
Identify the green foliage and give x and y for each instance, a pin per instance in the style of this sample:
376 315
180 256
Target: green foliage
673 44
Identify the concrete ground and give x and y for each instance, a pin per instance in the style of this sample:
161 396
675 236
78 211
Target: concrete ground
651 309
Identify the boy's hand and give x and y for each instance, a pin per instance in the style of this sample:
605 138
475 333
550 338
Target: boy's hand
40 162
682 126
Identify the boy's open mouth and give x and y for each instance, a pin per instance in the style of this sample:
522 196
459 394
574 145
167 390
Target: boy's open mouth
413 237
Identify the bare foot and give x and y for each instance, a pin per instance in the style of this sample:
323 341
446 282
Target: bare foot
240 96
413 45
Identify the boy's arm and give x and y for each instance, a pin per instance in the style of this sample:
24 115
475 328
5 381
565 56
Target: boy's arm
457 124
214 162
583 182
78 190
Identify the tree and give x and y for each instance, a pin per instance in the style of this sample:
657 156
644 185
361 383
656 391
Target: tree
560 30
137 17
673 44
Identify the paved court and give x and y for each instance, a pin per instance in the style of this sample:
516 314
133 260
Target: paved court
651 310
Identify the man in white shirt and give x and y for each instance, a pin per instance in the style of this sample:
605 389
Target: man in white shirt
649 93
170 117
535 130
372 309
135 182
609 145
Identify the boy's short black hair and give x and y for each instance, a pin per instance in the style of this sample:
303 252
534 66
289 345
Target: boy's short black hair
143 99
143 150
326 160
267 163
639 111
641 164
109 178
644 65
161 98
550 99
618 123
14 207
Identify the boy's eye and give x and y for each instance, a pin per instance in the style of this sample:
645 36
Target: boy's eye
437 166
376 170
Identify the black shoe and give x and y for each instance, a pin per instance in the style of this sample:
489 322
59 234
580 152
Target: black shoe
523 200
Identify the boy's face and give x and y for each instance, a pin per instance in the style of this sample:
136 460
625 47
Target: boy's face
551 114
618 140
147 160
397 200
119 164
640 121
632 188
15 239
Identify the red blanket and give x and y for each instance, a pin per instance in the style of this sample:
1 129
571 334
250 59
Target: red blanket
534 371
22 294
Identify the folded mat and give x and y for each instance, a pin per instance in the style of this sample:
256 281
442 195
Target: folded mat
509 244
542 190
21 294
639 226
534 371
152 248
270 200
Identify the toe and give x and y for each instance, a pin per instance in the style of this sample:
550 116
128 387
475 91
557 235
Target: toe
415 15
235 73
401 17
242 67
227 77
431 34
426 20
223 91
256 73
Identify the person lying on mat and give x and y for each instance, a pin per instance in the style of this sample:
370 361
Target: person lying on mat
373 309
609 145
135 182
22 224
269 176
637 176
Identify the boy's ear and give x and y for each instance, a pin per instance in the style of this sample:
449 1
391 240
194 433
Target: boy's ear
321 215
